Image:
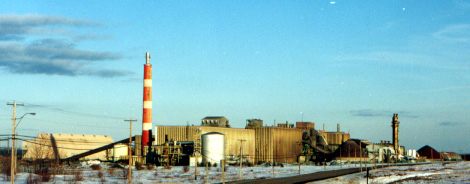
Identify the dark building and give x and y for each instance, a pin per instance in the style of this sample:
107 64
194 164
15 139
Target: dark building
429 153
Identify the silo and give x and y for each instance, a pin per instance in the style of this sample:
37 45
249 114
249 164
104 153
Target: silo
213 147
119 150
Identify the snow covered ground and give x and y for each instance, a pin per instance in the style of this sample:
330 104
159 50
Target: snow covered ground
452 173
431 173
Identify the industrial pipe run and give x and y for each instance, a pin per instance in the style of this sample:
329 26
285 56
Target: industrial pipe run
147 111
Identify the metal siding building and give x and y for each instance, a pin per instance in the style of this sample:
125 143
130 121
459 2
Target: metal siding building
232 137
305 125
337 138
277 144
50 146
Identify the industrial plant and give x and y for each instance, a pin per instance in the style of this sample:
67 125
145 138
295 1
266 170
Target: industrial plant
214 141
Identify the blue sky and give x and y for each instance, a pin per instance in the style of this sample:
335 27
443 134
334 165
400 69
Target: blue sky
79 65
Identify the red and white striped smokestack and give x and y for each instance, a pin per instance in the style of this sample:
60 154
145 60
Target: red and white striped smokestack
147 112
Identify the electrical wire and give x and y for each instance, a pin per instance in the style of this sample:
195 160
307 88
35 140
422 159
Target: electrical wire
58 140
81 124
32 142
88 115
74 113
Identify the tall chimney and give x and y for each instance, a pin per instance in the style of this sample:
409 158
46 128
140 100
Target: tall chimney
147 111
395 131
338 128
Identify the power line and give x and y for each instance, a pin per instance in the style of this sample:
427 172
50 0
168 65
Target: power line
32 142
114 127
55 139
74 113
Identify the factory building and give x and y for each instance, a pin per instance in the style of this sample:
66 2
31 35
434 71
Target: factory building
60 146
275 144
372 152
384 152
335 139
255 143
260 144
234 138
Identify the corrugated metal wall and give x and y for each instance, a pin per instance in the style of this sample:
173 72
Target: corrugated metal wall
346 137
278 144
305 125
337 138
138 145
232 137
262 144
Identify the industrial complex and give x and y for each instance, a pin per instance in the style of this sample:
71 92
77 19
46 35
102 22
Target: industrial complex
215 140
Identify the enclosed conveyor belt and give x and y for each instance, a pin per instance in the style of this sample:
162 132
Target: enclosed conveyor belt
93 151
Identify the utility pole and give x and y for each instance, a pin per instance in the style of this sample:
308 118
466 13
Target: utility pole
355 158
298 158
340 164
197 148
241 156
349 158
360 154
129 150
13 145
223 171
464 155
273 167
432 158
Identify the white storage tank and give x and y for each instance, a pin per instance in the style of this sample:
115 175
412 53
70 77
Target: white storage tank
412 154
213 147
120 150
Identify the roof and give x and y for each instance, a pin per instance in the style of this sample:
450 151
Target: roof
350 148
429 152
451 156
214 117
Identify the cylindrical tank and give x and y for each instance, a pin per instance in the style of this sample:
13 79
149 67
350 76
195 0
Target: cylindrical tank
213 147
119 150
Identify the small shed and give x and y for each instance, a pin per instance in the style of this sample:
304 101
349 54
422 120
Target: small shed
451 156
